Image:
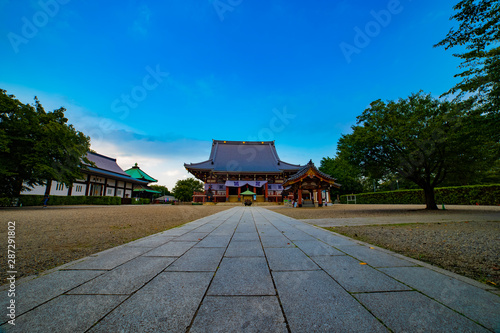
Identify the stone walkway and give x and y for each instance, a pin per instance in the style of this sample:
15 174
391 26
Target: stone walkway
251 269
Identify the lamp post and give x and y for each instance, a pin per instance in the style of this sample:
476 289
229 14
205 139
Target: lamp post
397 183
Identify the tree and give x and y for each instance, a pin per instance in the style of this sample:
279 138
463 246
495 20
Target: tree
37 146
479 32
422 139
185 188
346 174
160 188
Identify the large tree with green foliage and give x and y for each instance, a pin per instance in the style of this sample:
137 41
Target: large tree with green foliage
422 139
346 174
185 188
37 146
160 188
479 32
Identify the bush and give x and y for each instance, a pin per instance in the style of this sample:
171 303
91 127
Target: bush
56 200
5 202
460 195
140 201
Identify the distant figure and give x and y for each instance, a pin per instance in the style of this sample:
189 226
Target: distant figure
45 200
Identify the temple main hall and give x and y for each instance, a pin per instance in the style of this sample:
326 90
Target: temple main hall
238 171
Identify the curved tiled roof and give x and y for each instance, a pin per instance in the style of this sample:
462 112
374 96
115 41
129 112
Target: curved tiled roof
107 166
305 169
137 173
243 156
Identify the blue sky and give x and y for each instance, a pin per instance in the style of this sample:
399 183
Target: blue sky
154 82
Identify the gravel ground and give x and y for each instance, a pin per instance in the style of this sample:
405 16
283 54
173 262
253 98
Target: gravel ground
46 238
470 248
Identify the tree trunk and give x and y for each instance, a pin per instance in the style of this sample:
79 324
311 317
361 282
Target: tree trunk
430 201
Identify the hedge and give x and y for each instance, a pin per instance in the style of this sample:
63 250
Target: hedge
140 201
55 200
460 195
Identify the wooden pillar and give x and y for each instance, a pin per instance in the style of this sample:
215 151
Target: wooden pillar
239 192
265 192
300 196
227 193
320 197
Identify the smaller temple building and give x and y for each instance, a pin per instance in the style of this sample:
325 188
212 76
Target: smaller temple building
141 190
311 185
103 177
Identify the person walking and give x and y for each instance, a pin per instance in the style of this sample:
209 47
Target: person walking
45 200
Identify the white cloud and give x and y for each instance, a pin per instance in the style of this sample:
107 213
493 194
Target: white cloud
161 158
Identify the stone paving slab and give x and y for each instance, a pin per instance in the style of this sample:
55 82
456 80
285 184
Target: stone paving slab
152 242
242 276
240 314
297 235
171 249
289 259
317 248
126 278
475 303
355 277
246 228
246 236
313 302
166 304
207 228
193 236
44 288
198 260
214 241
244 249
66 313
276 241
374 257
110 259
414 312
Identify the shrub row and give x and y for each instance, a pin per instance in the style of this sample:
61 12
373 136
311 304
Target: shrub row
460 195
54 200
140 201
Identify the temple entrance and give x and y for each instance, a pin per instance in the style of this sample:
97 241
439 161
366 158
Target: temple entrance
310 186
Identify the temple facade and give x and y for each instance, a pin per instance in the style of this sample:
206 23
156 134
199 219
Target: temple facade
310 187
103 178
234 167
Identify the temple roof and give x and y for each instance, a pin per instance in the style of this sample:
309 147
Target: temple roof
107 167
243 156
310 169
137 173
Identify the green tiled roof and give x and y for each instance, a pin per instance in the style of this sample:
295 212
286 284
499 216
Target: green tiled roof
137 173
247 192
